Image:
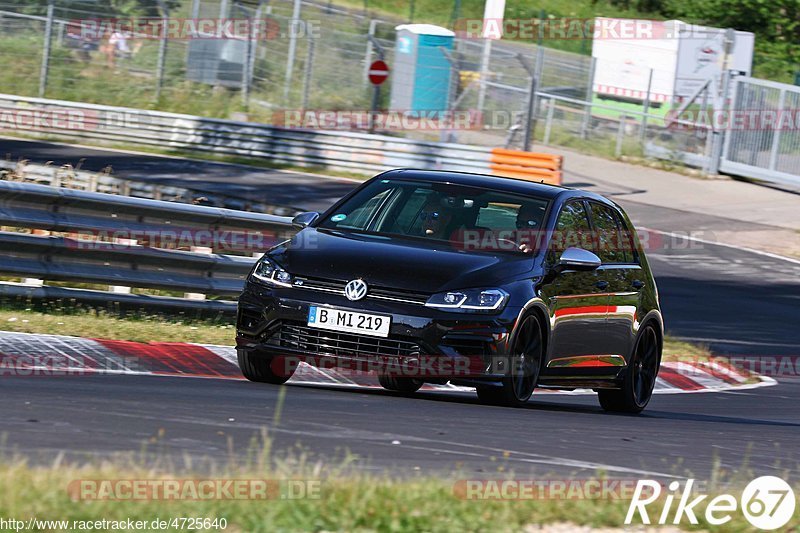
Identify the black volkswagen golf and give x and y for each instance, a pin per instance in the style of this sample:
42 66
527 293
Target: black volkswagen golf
430 276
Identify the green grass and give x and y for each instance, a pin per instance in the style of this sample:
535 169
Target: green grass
348 500
94 323
89 322
618 108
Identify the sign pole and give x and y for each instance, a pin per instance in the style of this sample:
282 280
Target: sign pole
377 74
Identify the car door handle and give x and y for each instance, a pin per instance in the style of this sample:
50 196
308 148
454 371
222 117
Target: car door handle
602 284
637 284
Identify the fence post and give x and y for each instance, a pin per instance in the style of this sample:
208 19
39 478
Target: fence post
530 114
538 74
646 109
292 49
60 33
452 87
485 59
620 134
308 70
252 44
551 105
246 70
48 40
587 114
162 54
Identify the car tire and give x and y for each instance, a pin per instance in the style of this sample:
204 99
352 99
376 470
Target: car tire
264 369
525 363
640 377
400 384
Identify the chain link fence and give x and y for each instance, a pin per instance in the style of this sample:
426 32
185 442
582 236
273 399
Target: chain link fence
309 56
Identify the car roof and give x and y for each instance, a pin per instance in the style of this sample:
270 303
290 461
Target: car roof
513 185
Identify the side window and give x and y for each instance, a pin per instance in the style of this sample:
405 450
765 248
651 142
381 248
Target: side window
626 240
609 247
572 230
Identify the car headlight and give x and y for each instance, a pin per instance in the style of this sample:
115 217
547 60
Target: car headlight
473 300
269 272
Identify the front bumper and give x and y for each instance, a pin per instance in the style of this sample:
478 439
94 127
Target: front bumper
427 343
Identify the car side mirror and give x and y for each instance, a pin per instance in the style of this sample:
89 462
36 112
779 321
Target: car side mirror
304 219
577 259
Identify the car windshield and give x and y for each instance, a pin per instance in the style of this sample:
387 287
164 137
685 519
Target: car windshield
468 218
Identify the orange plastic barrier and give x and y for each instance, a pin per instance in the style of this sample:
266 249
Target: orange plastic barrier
530 166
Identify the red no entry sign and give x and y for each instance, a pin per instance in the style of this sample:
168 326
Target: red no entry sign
378 72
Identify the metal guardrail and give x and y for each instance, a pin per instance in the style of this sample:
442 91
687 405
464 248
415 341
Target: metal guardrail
88 248
73 178
336 150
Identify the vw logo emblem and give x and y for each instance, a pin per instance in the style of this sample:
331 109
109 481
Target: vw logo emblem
355 289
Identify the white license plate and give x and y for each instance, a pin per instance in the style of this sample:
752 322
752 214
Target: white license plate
348 321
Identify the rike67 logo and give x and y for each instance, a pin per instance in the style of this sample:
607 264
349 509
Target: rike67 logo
767 502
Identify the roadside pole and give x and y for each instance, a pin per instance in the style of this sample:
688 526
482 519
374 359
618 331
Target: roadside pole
368 54
530 119
484 72
493 13
717 135
721 102
587 115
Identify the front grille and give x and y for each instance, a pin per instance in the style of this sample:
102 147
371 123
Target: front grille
379 293
315 341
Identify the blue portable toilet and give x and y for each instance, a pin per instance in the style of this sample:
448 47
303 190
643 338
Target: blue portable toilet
421 72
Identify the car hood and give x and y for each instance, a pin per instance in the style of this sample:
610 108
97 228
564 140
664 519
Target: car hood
392 262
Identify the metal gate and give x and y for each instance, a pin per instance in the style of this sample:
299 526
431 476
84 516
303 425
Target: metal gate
762 137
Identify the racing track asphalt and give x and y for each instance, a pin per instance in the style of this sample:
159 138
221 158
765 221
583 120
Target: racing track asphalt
737 301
